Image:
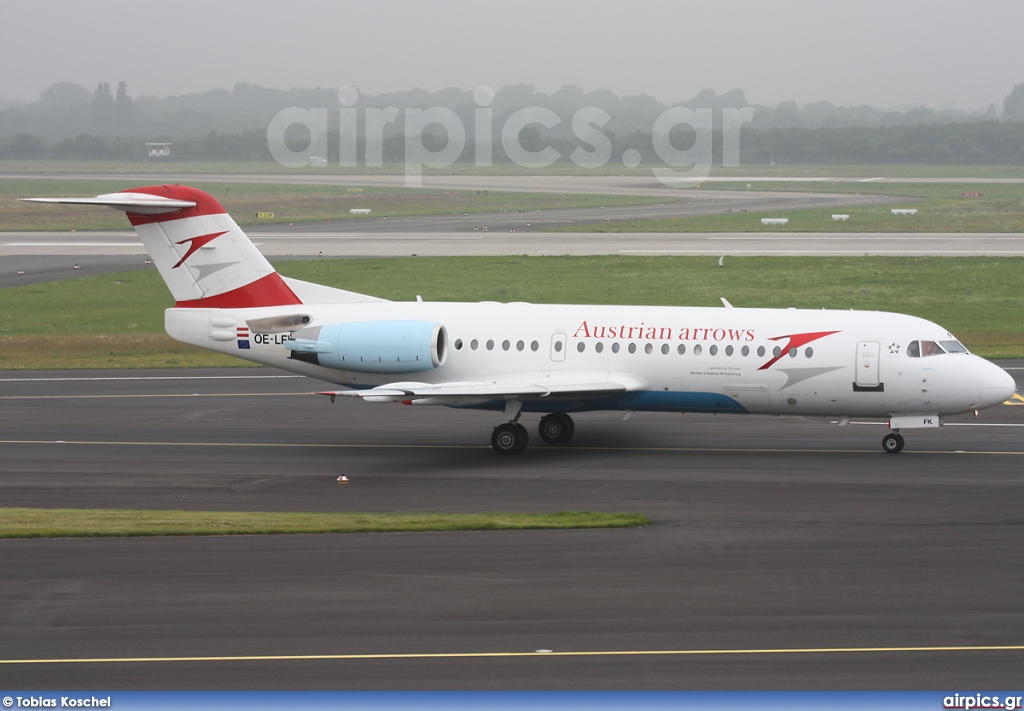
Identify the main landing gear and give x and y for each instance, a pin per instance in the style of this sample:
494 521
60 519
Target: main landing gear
512 437
509 438
893 442
556 428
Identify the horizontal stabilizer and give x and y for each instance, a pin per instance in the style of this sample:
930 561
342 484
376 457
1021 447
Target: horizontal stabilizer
140 203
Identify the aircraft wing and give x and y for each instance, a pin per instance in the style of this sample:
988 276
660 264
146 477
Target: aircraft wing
467 393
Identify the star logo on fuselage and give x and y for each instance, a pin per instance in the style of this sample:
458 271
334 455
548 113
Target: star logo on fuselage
195 243
894 348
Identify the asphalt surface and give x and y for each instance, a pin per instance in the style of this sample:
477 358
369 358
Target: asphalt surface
784 554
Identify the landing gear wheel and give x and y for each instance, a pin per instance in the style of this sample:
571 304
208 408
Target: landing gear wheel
509 438
893 442
556 428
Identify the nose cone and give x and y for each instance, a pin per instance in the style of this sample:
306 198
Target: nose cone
998 386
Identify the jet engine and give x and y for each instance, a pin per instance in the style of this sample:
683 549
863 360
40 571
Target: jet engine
372 346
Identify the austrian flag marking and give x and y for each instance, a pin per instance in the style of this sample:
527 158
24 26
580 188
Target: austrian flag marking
242 333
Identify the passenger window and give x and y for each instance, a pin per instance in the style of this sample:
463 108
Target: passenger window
681 349
581 346
599 346
615 348
648 349
713 350
632 348
664 349
474 344
697 349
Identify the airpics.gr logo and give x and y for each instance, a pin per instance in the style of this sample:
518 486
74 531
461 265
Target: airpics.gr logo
587 124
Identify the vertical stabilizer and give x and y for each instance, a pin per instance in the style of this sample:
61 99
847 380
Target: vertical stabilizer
203 255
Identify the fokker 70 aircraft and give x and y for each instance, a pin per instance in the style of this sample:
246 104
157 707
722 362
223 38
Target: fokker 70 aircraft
552 359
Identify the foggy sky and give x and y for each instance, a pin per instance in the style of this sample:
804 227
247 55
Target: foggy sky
885 53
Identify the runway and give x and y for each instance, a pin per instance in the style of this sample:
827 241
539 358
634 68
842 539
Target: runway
785 553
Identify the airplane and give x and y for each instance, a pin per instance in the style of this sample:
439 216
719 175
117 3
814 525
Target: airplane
515 358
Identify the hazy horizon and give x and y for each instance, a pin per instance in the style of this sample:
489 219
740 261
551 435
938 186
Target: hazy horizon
883 53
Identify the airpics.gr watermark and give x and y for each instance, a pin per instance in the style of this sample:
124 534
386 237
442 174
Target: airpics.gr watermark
677 168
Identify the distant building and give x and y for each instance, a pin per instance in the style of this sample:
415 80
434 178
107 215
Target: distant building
158 151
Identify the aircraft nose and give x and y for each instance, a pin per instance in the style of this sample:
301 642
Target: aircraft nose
998 386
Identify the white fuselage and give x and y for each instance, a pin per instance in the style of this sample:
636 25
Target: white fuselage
678 359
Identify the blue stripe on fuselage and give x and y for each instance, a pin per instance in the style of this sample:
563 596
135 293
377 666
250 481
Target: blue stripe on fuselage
642 401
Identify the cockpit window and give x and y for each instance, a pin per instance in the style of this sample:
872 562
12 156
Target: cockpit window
953 347
924 349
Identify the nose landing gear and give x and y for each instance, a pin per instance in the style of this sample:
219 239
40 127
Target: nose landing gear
893 442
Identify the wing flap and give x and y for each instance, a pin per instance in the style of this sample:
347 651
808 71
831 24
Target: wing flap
474 392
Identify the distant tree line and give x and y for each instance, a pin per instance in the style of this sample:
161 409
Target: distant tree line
993 143
70 122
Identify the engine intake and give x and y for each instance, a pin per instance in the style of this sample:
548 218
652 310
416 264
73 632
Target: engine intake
372 346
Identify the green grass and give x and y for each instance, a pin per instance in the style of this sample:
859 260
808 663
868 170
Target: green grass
941 208
288 203
116 320
80 523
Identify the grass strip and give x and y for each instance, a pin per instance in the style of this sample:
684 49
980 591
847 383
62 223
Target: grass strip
941 207
87 523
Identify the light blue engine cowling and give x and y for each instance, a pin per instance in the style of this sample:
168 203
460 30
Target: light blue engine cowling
372 346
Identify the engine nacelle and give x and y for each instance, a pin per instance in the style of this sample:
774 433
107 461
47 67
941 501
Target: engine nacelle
372 346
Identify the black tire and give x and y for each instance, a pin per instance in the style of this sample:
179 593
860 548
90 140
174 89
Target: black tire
556 428
509 438
893 442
